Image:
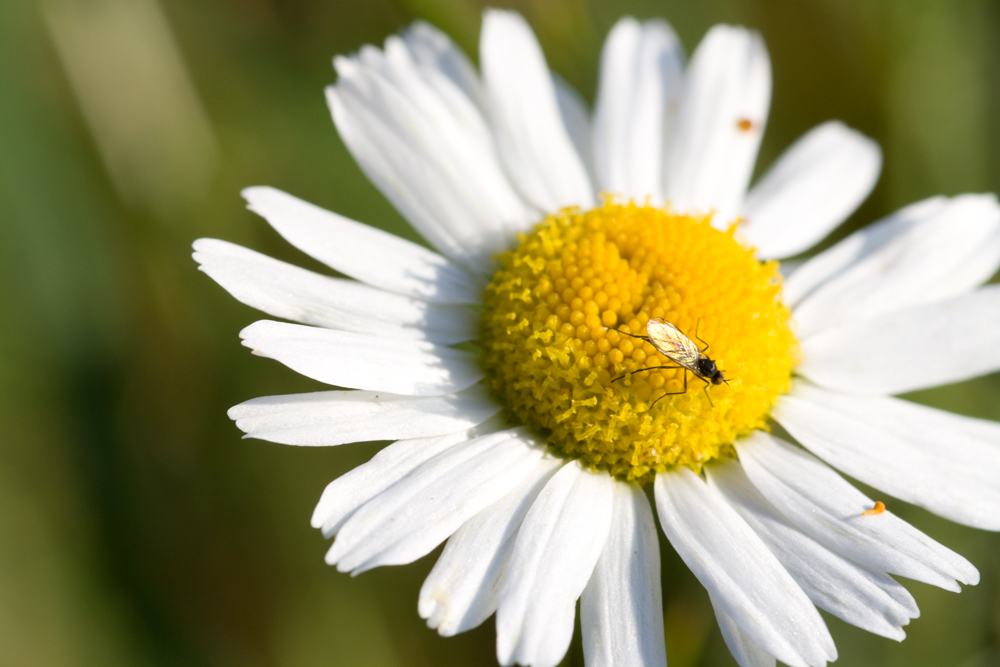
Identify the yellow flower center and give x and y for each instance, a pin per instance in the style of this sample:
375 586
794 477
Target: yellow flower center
554 358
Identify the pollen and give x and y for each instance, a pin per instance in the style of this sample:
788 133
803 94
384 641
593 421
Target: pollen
555 353
878 509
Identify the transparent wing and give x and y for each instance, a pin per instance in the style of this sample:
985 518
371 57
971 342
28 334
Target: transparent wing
673 344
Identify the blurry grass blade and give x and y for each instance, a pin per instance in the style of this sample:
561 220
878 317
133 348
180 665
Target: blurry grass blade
138 101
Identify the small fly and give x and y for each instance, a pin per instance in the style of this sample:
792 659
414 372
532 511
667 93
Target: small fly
672 343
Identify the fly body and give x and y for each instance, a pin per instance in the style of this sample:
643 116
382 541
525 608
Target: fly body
674 344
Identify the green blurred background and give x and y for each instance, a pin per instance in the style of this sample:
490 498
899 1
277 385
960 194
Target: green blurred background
136 527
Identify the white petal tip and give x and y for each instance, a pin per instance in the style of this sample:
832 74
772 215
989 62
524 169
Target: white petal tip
256 193
250 330
332 98
344 66
497 14
504 655
203 244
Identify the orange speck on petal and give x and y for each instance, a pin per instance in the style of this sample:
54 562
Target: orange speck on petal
878 509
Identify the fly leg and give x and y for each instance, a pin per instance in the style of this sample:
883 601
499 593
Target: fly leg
700 340
707 384
654 368
673 393
645 338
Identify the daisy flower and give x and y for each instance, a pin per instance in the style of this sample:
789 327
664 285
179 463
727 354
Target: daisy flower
529 412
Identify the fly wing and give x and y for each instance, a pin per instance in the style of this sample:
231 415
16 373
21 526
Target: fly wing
673 344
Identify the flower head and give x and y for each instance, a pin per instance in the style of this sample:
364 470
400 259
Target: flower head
604 311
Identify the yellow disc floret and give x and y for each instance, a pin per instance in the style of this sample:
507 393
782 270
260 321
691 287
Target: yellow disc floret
556 355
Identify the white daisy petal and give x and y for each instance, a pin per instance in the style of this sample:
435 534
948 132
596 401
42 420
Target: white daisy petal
417 513
557 547
463 589
719 125
401 172
433 93
821 269
359 361
820 503
533 141
434 50
621 610
327 418
576 117
937 257
641 69
896 446
292 293
440 100
868 599
362 252
344 495
743 648
913 349
431 155
813 187
740 573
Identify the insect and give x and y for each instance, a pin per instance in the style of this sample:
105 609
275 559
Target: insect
878 509
672 343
